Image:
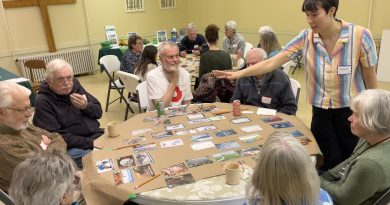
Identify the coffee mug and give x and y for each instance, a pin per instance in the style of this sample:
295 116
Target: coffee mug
233 173
112 128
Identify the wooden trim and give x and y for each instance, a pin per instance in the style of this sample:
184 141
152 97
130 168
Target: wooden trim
47 26
19 3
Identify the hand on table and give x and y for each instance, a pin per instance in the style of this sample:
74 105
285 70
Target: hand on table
79 101
183 54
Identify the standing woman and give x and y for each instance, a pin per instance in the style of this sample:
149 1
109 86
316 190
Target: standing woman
340 60
147 63
132 55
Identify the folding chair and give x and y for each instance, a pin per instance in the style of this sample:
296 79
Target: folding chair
4 198
297 62
296 87
248 46
286 66
130 81
111 64
385 198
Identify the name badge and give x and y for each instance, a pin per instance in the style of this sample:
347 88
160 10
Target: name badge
234 45
195 46
344 69
266 100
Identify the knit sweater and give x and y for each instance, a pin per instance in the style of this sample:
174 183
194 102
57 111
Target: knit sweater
16 146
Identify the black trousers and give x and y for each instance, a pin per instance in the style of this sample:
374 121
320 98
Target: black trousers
332 131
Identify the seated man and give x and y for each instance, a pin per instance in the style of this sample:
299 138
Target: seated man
64 106
233 42
192 43
18 139
271 90
168 82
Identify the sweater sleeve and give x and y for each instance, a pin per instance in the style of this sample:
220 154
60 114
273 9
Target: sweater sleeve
94 109
361 183
288 102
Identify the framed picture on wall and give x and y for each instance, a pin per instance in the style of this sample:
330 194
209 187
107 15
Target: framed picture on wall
161 36
167 4
111 34
130 34
135 5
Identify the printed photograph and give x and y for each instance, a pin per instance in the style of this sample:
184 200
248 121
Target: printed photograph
271 119
179 180
104 165
125 162
227 145
281 125
145 147
251 151
225 133
143 158
174 170
171 143
219 157
205 128
163 134
143 172
199 161
201 137
186 132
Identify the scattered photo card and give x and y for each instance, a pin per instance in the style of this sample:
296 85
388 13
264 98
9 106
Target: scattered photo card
303 140
249 138
135 140
219 157
174 170
201 137
216 118
174 127
281 125
202 145
251 151
271 119
251 128
117 177
209 108
225 133
197 121
122 176
104 165
145 147
141 131
296 133
266 111
206 128
199 161
143 172
163 134
125 162
186 132
171 143
195 116
143 158
240 120
179 180
227 145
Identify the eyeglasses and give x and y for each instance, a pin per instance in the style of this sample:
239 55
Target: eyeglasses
172 57
62 80
24 110
139 43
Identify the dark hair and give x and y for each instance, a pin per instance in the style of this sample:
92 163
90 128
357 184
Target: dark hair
211 33
149 55
133 40
312 5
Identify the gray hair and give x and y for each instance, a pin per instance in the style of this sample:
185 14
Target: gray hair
265 29
164 46
56 64
231 25
43 178
9 88
259 52
191 26
373 108
285 172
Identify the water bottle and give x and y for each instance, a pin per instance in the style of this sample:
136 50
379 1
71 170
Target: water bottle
174 35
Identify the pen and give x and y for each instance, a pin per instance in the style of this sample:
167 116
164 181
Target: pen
147 181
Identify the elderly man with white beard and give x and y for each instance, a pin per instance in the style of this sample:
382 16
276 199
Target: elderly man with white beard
168 83
18 138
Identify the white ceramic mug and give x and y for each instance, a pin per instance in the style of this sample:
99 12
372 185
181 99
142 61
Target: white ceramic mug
112 128
233 173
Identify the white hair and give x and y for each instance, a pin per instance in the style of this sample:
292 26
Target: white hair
56 64
191 26
231 25
259 52
9 88
265 29
164 45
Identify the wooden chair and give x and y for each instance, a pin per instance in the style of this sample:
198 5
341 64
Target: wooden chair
35 67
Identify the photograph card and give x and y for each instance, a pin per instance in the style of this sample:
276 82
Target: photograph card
206 128
185 132
145 147
198 121
175 181
251 128
123 176
195 116
227 145
126 162
135 140
251 151
225 133
143 158
219 157
250 138
281 125
303 140
296 133
199 161
202 145
171 143
163 134
174 127
217 118
201 137
104 165
240 120
174 170
271 119
117 177
143 172
141 131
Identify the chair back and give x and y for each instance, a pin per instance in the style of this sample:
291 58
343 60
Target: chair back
4 198
248 46
35 67
111 63
296 87
385 198
130 81
286 66
142 95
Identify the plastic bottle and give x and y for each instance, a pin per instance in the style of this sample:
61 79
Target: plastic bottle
174 35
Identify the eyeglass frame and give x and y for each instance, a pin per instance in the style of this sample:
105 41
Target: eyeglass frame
24 110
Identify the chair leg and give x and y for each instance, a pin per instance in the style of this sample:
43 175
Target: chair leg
120 100
108 96
127 111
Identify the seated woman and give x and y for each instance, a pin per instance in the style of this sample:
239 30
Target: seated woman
132 55
147 63
268 41
285 175
44 178
365 176
214 58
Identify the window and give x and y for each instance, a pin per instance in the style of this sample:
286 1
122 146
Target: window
167 4
135 5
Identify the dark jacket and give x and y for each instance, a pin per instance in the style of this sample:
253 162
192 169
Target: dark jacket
188 46
55 113
274 87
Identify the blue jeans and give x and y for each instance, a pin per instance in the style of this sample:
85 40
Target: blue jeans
77 155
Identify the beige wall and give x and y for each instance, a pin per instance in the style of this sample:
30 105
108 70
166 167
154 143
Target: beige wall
81 24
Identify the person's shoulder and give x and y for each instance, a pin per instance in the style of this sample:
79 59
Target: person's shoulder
154 72
183 72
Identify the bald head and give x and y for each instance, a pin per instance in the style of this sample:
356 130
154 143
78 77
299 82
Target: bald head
255 55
